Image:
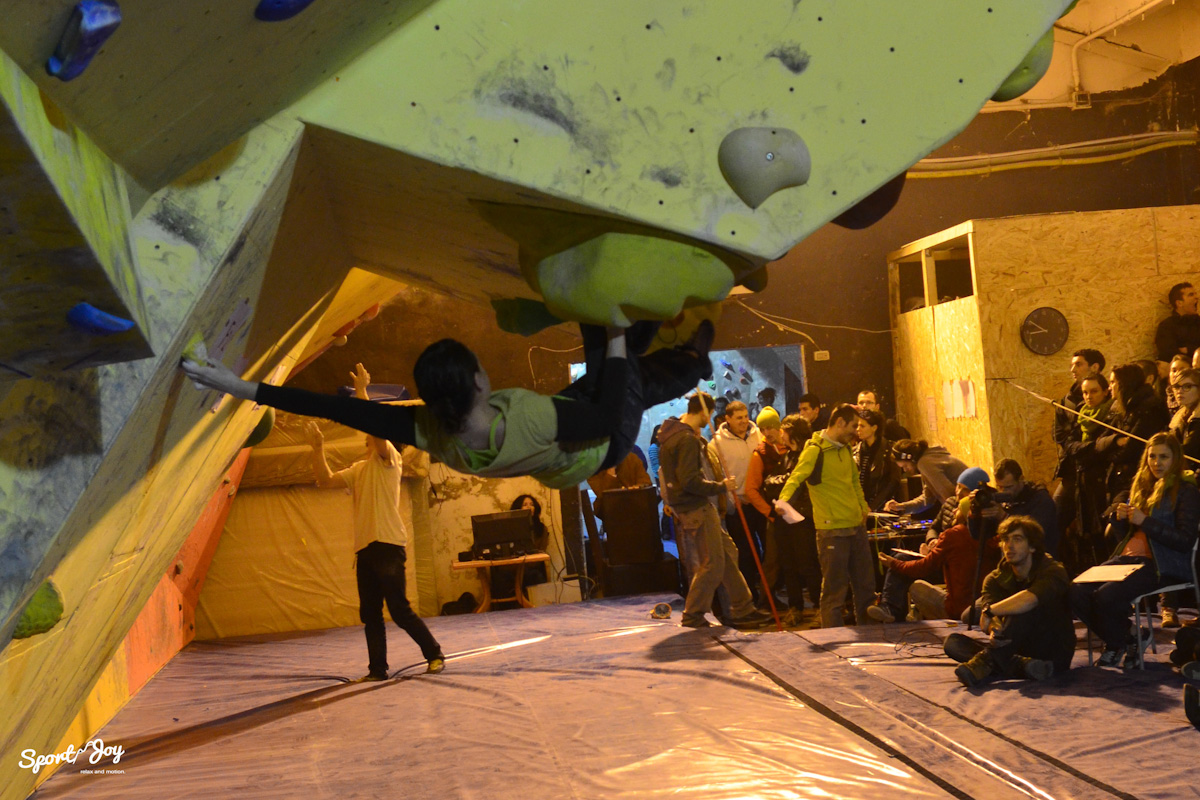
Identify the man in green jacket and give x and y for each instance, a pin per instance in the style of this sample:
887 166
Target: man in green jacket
839 515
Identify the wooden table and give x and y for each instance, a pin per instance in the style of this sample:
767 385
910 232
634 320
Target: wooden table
484 565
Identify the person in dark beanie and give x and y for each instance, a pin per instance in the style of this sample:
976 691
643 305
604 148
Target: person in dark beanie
939 473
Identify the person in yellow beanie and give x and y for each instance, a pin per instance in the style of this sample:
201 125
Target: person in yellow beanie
767 418
768 461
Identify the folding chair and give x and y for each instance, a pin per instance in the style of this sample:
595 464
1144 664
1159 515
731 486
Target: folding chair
1141 608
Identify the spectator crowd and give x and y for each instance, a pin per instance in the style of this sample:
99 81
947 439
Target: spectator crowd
807 495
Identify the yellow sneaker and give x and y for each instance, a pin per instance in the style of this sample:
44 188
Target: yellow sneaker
436 665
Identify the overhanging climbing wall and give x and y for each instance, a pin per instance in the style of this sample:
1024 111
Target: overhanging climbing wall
601 161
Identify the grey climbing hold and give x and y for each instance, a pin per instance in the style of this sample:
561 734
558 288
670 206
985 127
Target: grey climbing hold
758 162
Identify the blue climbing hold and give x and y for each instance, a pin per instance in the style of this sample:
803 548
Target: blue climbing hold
90 319
279 10
91 23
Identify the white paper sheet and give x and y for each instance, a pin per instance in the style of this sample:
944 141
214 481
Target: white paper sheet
1104 573
789 515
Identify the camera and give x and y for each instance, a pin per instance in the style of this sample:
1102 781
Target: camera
984 498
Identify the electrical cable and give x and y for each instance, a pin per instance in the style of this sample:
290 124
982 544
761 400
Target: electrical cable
779 325
994 164
775 318
1089 147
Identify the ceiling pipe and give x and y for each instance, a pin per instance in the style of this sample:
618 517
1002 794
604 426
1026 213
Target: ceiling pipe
1076 88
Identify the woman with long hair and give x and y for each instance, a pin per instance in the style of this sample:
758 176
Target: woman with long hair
1137 410
558 440
527 502
1156 521
534 573
877 470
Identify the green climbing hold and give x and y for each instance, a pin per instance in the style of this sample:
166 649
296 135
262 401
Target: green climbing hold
1029 71
618 277
265 423
42 613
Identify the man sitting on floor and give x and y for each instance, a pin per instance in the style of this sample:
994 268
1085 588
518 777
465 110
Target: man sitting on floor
1025 611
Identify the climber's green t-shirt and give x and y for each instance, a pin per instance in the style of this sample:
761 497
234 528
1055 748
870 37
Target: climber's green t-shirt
529 447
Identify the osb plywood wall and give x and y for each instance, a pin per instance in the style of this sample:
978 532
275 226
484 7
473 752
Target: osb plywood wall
932 346
1108 272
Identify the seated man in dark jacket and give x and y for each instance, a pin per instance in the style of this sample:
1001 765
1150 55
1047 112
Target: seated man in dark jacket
1016 497
1024 608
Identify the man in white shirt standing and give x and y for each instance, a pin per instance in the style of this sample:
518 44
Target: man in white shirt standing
379 541
732 445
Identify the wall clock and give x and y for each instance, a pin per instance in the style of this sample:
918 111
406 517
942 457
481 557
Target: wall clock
1045 330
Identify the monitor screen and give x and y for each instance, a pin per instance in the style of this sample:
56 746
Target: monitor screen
506 526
